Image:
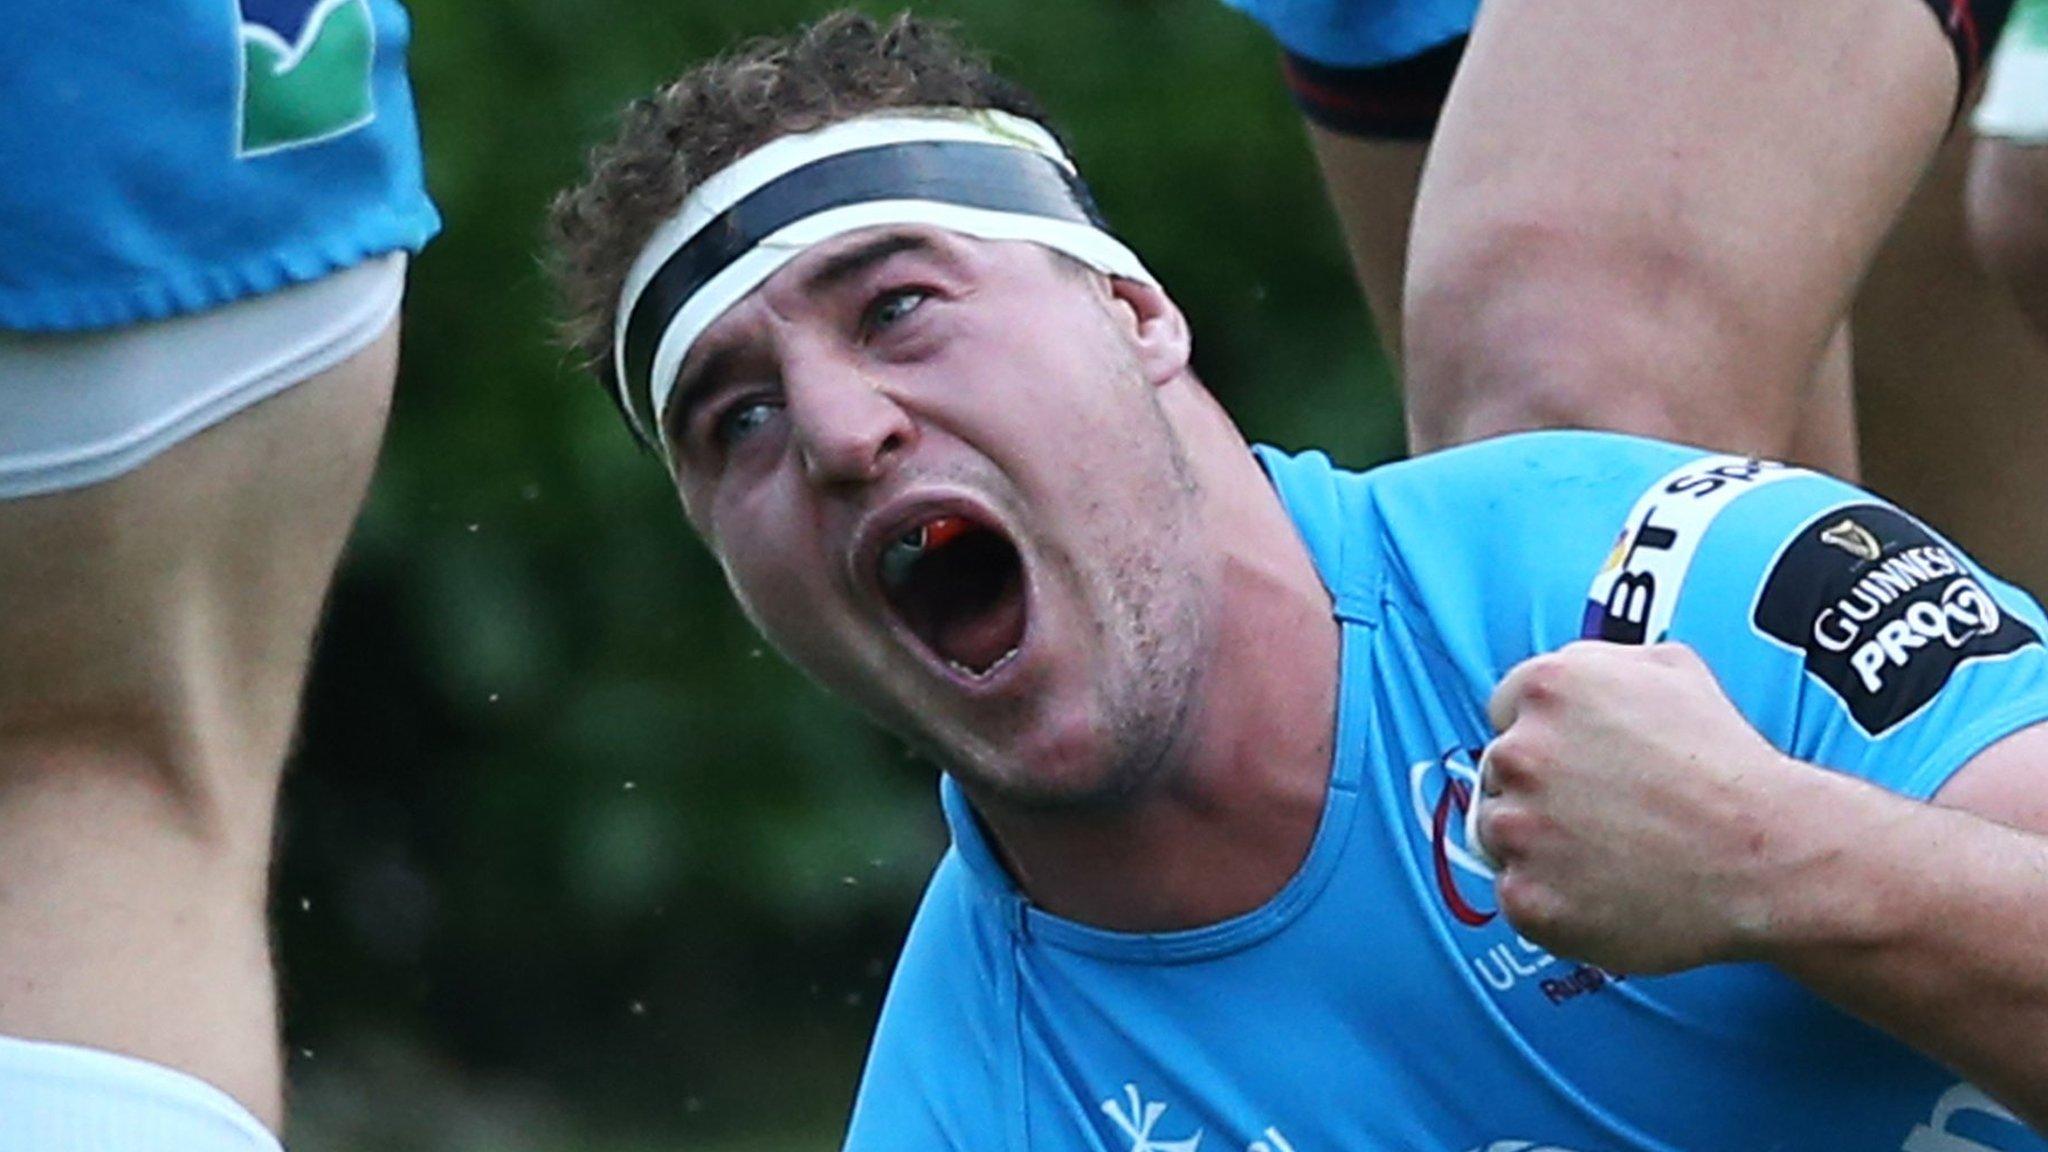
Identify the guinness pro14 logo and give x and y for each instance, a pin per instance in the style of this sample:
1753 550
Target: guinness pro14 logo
1883 611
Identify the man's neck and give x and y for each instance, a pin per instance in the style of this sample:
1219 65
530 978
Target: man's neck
1229 821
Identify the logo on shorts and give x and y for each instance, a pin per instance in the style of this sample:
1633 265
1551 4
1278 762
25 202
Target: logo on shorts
1882 610
306 72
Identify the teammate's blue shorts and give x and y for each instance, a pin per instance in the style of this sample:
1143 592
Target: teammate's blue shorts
1381 68
205 203
171 156
1361 33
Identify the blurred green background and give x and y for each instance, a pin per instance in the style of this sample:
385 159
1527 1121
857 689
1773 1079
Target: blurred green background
570 864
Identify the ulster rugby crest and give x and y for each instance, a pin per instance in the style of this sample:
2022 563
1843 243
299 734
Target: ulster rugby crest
306 70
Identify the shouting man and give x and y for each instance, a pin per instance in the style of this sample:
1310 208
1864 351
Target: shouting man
1216 721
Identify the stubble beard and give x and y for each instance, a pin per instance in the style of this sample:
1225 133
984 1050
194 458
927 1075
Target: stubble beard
1152 633
1140 711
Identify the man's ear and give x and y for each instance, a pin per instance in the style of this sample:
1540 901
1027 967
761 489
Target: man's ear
1158 330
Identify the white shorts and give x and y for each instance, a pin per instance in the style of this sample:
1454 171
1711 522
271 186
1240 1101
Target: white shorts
2015 103
77 408
58 1098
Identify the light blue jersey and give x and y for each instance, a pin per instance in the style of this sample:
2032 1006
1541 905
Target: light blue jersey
1380 1001
1355 34
171 156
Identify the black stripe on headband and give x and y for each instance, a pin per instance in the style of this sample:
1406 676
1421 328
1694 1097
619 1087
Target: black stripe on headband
972 175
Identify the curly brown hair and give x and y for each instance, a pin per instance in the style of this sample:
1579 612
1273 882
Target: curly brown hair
844 65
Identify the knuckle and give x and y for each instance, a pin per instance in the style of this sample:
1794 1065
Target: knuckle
1512 760
1529 904
1673 654
1486 824
1544 678
1508 829
1488 848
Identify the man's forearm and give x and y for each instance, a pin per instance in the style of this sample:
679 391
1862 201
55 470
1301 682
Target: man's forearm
1929 923
1642 824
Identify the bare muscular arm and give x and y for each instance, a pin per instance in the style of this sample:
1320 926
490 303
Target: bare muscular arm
1642 824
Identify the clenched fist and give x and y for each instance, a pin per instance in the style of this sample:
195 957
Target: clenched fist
1635 818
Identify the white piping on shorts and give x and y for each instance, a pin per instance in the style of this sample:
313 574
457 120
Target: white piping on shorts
63 1098
2015 104
79 408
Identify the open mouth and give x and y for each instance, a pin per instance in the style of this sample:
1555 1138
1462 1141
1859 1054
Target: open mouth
958 585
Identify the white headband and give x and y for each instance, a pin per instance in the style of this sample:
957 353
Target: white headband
992 175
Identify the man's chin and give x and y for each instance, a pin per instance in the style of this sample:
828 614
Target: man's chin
1105 793
1060 778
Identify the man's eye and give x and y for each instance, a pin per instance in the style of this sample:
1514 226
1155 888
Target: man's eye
890 307
742 420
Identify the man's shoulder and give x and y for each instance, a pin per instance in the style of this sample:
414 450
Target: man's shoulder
945 977
1491 504
1488 474
1537 489
933 1069
1519 544
1535 462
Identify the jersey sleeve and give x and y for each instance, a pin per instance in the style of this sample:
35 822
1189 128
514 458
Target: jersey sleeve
1849 632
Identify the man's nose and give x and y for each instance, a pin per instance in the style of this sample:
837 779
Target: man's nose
848 427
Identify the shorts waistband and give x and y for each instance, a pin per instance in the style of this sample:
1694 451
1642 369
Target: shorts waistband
64 1098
